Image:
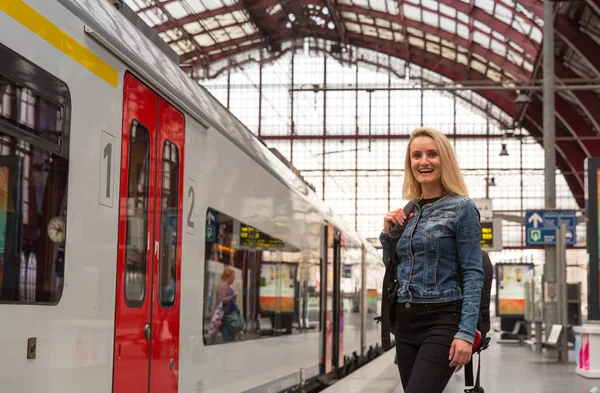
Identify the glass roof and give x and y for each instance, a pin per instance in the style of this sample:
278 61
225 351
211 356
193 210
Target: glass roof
498 39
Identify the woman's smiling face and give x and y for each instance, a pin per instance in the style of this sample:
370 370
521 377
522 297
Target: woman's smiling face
425 161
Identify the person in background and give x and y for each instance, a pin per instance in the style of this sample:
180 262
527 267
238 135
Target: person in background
227 295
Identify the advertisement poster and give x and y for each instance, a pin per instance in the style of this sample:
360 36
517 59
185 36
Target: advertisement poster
277 287
511 281
372 298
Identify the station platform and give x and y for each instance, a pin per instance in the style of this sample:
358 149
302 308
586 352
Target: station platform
505 369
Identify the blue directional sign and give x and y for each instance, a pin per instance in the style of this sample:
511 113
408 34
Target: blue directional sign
541 226
211 226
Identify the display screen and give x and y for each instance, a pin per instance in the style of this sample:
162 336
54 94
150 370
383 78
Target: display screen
511 280
277 287
252 237
487 235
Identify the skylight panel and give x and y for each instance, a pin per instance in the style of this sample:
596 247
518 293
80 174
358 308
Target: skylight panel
502 13
482 26
498 48
362 3
481 39
176 10
521 26
365 19
486 5
432 47
214 4
462 59
415 32
412 12
448 24
449 54
249 28
536 35
431 4
196 6
494 75
369 30
431 19
353 27
461 16
383 23
235 32
210 23
386 35
416 41
349 16
451 12
478 66
204 40
432 38
463 31
379 5
193 28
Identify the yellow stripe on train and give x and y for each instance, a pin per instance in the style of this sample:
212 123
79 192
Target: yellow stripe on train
41 26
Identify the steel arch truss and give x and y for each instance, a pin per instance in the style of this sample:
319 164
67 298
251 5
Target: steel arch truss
458 40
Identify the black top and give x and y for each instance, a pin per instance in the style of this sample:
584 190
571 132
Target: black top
424 202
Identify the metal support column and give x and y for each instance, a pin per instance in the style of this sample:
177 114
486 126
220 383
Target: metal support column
324 117
357 131
561 276
363 303
550 279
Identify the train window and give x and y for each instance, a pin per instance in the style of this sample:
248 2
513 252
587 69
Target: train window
168 227
265 286
34 108
35 105
137 215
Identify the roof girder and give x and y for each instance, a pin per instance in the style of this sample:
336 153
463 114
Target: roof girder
448 36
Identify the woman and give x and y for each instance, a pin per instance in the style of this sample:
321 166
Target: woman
227 295
436 318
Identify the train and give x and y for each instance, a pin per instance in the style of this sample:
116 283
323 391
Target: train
126 190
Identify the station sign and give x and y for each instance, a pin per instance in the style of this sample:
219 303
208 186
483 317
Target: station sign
541 226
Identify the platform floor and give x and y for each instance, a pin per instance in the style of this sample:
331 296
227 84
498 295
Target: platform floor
505 369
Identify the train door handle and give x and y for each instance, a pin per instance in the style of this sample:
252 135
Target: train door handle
147 331
172 365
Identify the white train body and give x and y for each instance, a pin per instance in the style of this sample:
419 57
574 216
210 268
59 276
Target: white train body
66 327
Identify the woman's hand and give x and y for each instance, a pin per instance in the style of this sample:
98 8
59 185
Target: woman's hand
460 352
394 217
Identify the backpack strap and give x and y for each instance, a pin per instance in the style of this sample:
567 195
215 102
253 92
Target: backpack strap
390 286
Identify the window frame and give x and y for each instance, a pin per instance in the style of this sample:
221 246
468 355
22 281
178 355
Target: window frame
26 74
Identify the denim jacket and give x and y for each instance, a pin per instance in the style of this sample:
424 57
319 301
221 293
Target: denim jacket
439 237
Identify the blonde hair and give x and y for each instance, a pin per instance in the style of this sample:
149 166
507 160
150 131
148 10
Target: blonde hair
227 273
452 179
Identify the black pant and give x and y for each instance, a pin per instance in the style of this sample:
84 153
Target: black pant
424 334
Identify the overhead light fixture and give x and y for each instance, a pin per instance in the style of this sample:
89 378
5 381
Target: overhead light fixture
503 152
522 99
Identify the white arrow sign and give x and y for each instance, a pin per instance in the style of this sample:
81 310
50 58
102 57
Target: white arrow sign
209 218
536 219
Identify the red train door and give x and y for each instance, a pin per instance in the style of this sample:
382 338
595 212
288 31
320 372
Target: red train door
149 254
